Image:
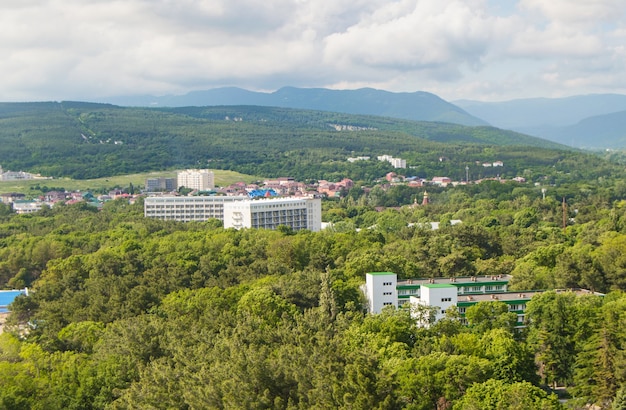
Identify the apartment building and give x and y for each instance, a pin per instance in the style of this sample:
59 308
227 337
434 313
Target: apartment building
196 179
296 213
238 211
187 208
161 184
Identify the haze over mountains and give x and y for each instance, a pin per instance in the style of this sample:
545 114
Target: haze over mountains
588 121
593 121
416 106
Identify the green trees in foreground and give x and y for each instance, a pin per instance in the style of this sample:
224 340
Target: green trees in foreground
128 312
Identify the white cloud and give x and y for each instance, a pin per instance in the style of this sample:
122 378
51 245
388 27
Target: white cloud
57 49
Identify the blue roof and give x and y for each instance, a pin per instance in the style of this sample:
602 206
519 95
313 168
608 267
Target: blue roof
8 296
260 193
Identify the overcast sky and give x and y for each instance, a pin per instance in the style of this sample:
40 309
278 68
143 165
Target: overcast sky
487 50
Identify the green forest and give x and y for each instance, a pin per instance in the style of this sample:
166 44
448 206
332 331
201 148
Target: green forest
126 312
84 141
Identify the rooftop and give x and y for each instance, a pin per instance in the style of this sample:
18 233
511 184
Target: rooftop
461 279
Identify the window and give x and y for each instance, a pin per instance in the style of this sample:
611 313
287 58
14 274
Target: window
446 299
386 303
387 283
387 293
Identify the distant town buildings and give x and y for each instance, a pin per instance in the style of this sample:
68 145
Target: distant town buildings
18 175
358 159
196 179
395 162
442 181
492 164
161 184
21 206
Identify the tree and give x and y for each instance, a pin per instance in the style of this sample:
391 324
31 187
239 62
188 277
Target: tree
497 394
552 329
487 315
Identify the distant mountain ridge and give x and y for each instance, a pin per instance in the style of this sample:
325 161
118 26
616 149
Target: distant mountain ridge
415 106
593 121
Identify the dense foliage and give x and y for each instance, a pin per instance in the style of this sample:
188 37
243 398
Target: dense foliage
82 140
128 312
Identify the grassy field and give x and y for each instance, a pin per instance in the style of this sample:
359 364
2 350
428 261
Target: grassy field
34 187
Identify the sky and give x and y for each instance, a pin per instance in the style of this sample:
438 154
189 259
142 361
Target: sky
487 50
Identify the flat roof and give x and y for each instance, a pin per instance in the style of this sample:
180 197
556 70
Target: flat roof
465 280
380 273
502 297
520 295
438 285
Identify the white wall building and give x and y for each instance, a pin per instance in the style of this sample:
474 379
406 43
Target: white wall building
395 162
439 296
187 208
297 213
197 179
26 207
380 290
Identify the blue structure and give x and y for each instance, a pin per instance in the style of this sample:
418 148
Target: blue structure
262 193
8 296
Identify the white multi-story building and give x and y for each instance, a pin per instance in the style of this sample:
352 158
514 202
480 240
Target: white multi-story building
26 207
440 296
238 211
383 289
296 213
187 208
395 162
197 179
380 290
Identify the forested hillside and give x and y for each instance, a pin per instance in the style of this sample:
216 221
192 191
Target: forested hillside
126 312
82 140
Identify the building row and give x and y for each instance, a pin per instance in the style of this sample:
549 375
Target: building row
383 289
194 179
238 211
395 162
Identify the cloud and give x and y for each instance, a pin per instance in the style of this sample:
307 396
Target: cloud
81 49
425 35
583 12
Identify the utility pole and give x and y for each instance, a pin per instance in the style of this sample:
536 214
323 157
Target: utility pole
467 174
564 215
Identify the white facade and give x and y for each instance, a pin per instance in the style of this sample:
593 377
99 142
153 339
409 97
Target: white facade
296 213
187 208
198 179
26 207
438 296
15 176
395 162
380 290
398 162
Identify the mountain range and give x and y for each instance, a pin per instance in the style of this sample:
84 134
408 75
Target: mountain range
595 121
416 106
